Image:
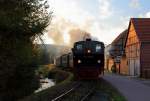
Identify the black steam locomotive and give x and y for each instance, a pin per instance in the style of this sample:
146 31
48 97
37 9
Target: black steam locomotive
86 59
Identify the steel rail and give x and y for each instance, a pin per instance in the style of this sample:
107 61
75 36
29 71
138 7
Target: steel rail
88 94
65 93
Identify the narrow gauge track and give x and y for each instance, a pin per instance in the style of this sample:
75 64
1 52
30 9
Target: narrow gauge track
88 94
65 93
79 92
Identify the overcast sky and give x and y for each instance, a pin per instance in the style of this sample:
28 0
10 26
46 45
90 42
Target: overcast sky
104 19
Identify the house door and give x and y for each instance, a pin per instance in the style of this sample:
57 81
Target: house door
137 67
131 67
134 67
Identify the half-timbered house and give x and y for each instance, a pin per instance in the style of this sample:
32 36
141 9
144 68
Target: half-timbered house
137 47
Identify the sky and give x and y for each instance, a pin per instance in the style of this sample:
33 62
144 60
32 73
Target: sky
103 19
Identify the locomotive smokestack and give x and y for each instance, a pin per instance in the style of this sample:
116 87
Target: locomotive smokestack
88 39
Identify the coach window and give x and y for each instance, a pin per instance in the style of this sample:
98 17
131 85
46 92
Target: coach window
79 47
98 47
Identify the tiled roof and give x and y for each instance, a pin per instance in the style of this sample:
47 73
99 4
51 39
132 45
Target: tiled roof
117 46
121 37
142 28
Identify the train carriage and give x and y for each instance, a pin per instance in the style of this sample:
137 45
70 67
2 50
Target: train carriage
65 60
59 61
70 60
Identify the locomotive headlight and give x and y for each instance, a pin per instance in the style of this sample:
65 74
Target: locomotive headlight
98 61
79 61
89 51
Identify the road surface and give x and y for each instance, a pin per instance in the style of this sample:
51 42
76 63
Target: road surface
132 89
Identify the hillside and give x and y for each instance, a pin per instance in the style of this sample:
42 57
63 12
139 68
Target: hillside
54 51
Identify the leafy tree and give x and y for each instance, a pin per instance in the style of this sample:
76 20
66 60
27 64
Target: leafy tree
44 56
20 22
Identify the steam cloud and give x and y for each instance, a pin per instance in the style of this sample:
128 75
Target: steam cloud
61 27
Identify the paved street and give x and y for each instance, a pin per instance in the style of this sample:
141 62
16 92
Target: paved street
132 89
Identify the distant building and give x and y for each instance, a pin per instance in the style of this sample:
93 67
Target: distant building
137 47
117 59
108 59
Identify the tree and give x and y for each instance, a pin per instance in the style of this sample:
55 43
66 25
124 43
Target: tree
20 22
44 55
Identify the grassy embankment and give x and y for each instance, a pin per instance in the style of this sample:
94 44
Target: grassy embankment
63 80
113 93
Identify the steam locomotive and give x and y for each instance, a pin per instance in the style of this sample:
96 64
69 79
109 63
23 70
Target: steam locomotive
86 59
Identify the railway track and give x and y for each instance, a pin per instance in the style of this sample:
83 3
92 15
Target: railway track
80 92
65 93
85 98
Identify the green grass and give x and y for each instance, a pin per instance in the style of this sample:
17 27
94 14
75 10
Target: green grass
113 93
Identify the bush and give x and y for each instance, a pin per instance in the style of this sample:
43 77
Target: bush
113 68
43 71
58 75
